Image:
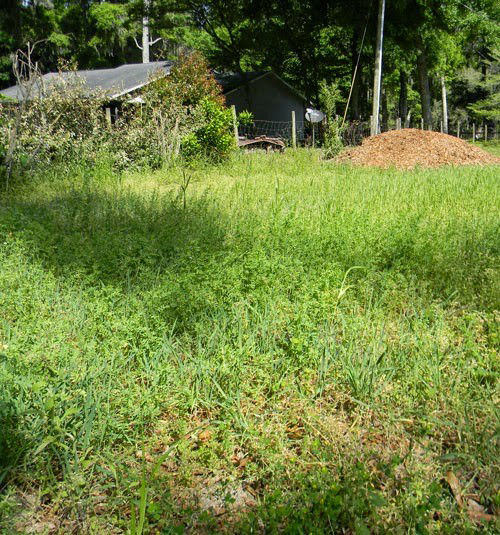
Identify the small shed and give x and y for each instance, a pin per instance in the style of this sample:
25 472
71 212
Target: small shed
268 97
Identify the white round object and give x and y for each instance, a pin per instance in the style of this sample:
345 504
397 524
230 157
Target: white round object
314 116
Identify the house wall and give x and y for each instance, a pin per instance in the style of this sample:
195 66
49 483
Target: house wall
271 103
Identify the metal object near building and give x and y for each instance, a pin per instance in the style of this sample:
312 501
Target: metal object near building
262 142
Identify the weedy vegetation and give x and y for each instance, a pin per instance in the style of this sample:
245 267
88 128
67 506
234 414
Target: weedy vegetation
275 344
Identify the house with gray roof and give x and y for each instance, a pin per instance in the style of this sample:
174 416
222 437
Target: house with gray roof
267 96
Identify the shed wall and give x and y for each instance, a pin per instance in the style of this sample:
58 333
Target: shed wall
271 101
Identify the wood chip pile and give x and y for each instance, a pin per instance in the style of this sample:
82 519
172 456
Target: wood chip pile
409 148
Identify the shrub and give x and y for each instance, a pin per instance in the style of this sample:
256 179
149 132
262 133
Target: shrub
67 120
245 118
189 105
332 144
214 140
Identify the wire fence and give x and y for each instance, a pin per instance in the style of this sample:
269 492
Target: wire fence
280 129
354 132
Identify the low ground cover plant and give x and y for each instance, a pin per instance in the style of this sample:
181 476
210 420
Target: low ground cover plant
276 345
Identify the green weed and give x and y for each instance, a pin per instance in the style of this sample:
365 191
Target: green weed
215 357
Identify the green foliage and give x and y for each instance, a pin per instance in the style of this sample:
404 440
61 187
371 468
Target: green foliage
70 121
66 121
214 140
489 107
334 398
332 142
190 81
245 118
187 112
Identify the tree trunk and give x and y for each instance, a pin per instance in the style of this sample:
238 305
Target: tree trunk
145 32
444 100
377 79
385 113
425 93
403 97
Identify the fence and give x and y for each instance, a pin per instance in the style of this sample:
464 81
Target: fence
281 129
354 132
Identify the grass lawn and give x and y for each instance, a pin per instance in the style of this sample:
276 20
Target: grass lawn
491 146
288 346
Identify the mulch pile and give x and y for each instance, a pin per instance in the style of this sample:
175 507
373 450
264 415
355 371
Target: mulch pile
409 148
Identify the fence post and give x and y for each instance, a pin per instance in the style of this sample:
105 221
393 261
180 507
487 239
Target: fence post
108 116
458 129
235 125
294 131
398 123
421 124
473 132
486 132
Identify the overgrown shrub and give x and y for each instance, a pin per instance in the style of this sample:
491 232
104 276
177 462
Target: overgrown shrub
332 143
189 105
65 120
214 140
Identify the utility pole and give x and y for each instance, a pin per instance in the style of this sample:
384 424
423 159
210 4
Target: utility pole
145 32
377 81
146 39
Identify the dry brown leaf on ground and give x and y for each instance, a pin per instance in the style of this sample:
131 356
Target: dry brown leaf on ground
454 484
205 435
476 516
476 511
140 455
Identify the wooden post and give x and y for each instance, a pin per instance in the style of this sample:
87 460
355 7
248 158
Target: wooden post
473 132
444 103
398 123
458 129
486 132
422 123
235 125
294 131
108 116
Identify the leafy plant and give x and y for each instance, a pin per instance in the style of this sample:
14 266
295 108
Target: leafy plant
214 140
332 142
245 118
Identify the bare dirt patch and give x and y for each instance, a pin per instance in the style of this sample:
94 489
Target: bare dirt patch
410 148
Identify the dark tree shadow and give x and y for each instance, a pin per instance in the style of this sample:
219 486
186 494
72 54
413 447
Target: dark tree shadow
114 237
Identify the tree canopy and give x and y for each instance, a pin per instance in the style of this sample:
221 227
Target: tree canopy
309 43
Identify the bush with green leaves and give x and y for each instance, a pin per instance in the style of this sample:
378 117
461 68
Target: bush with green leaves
67 120
214 140
63 120
332 142
245 118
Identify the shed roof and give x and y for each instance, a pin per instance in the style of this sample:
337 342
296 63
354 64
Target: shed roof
127 78
233 81
117 81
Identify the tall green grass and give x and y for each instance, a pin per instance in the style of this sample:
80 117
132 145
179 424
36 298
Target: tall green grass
336 326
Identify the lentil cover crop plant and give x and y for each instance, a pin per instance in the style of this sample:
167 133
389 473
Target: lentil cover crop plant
287 346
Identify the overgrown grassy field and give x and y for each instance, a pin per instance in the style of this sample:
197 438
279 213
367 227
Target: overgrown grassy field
288 346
